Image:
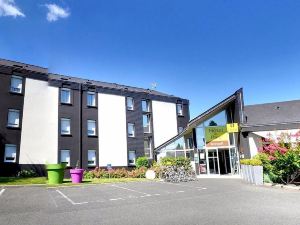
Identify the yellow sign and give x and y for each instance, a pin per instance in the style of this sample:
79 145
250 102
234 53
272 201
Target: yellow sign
216 136
232 127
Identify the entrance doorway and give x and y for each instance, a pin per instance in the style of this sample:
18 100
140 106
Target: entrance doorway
222 161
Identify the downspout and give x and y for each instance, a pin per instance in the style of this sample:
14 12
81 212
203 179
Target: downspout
80 125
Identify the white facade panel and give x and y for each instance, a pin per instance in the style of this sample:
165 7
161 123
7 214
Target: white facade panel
164 121
254 144
112 130
39 137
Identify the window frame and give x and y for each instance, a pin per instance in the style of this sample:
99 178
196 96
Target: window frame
134 159
133 133
5 153
180 129
13 125
87 127
127 101
95 161
87 98
179 111
148 108
70 97
70 125
22 82
149 117
65 150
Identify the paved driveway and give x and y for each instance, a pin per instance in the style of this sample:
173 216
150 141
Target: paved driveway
206 201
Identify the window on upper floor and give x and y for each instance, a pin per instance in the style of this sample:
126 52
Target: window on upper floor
16 84
91 99
65 157
91 157
65 95
180 129
13 119
147 147
130 103
146 105
10 153
65 126
91 128
131 130
179 109
147 123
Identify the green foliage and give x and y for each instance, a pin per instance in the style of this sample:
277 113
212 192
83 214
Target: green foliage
244 162
251 162
180 161
27 173
142 162
115 173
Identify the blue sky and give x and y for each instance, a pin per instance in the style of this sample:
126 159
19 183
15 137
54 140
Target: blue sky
202 50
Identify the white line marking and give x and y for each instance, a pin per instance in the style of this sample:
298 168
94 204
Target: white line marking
2 191
157 194
70 200
179 191
182 185
130 190
115 199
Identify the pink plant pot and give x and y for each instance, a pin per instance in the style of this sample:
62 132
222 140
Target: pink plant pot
76 175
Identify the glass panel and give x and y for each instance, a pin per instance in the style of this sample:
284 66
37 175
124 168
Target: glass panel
131 157
180 129
130 130
129 103
91 99
234 158
176 145
200 137
180 154
65 126
65 157
13 118
65 95
145 106
10 153
217 120
147 147
91 127
170 154
91 157
179 109
16 84
146 123
213 161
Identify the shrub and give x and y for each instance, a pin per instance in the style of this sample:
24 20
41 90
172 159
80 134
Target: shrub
251 162
99 173
27 173
142 162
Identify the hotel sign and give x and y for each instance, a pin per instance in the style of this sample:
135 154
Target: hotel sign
232 127
216 136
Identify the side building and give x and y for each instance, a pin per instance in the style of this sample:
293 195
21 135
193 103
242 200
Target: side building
51 118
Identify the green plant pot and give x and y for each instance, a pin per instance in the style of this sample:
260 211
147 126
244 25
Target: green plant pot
55 173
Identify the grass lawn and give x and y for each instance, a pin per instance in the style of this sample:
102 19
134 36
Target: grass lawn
43 180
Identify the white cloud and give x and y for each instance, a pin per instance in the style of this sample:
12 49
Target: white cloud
9 8
55 12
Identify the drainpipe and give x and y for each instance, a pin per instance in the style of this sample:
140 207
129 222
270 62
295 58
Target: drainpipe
80 125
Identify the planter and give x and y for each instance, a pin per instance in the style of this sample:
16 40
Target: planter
55 173
258 175
76 175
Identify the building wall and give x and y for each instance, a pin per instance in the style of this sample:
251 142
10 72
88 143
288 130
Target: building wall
164 121
112 130
39 124
254 144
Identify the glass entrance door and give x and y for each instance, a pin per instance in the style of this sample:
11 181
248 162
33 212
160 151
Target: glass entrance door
213 162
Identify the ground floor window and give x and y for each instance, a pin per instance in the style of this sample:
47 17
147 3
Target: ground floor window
131 157
10 153
91 157
65 157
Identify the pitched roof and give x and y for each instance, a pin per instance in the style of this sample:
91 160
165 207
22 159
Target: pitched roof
287 112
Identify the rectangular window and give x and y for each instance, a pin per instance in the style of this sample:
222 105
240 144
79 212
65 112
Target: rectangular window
91 157
146 123
13 118
131 130
130 103
65 126
179 109
146 106
147 147
91 99
65 157
180 129
91 127
131 158
16 84
10 153
65 96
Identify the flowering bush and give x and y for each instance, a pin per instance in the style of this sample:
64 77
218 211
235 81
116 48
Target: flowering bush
281 159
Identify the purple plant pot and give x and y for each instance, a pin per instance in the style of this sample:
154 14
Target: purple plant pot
76 175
